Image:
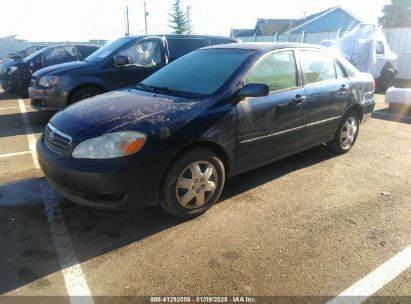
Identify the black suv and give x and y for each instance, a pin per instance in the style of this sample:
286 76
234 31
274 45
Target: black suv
17 76
121 63
21 53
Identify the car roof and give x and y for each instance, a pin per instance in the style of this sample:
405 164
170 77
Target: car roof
182 36
264 46
71 44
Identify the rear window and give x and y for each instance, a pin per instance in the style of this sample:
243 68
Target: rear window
180 47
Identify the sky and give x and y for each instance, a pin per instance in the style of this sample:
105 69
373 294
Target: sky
81 20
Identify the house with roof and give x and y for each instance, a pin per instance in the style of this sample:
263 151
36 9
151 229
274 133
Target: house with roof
335 19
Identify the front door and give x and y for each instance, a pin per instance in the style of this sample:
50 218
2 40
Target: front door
273 125
146 57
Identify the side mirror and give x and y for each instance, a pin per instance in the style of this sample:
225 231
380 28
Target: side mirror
120 61
253 90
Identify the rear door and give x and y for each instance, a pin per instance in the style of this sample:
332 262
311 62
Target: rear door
328 94
273 125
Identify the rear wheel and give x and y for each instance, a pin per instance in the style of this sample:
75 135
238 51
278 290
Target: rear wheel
346 134
83 93
193 183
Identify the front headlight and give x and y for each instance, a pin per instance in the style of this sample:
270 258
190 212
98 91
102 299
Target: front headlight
48 81
111 145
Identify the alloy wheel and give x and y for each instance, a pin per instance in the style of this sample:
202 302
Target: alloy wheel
348 133
196 184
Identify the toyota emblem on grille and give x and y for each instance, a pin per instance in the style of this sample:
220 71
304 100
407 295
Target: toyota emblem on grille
51 136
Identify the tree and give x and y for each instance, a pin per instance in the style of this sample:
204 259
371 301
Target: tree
180 21
396 14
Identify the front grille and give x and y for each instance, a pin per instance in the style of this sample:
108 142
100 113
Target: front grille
55 140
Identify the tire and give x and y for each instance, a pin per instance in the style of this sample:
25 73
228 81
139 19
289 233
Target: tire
349 125
386 80
23 90
184 201
83 93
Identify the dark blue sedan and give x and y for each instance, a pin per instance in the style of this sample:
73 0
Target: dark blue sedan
176 137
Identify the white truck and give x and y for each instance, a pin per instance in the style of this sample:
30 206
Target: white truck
366 47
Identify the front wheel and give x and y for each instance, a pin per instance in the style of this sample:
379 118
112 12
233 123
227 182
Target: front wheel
193 183
83 93
346 134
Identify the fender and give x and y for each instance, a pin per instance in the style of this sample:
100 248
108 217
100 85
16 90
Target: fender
84 81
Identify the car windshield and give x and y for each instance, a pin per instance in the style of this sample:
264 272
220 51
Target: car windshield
39 52
199 72
107 50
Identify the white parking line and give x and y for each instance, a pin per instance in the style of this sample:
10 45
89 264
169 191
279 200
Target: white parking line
376 280
29 133
14 154
73 275
9 108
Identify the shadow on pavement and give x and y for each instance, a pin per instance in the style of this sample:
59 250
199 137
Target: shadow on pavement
12 124
400 114
28 252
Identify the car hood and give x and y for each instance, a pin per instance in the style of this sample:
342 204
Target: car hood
125 109
9 63
62 68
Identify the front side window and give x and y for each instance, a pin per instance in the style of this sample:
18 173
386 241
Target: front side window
277 70
317 66
145 53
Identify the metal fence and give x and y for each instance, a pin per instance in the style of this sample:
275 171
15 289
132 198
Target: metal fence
314 38
399 40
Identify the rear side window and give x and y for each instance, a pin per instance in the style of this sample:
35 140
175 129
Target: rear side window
60 55
85 51
277 70
180 47
317 66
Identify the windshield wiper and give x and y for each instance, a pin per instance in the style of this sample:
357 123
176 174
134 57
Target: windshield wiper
146 87
163 90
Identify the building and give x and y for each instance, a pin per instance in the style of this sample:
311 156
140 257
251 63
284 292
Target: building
335 19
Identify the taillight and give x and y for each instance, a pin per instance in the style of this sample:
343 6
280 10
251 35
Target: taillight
373 85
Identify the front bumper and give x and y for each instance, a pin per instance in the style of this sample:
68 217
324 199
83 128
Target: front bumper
116 183
47 99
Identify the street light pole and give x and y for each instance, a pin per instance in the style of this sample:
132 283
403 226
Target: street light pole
127 23
145 16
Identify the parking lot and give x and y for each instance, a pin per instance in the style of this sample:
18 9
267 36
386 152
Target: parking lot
310 225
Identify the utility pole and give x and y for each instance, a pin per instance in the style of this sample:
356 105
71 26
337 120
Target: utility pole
145 16
127 23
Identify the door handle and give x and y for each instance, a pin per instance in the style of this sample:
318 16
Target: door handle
298 99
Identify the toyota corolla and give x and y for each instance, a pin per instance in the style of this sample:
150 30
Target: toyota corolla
176 137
